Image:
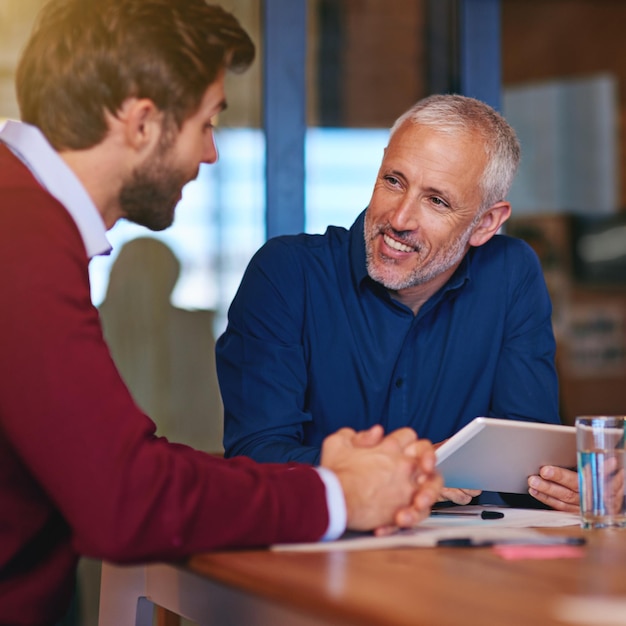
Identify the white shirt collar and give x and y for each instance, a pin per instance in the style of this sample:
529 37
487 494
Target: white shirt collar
32 148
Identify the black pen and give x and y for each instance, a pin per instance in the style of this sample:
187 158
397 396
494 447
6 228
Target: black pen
468 542
482 514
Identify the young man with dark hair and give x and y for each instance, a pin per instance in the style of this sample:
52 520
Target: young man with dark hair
118 100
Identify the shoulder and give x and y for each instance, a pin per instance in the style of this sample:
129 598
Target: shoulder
507 269
22 191
289 252
506 253
500 244
289 268
36 229
31 213
16 180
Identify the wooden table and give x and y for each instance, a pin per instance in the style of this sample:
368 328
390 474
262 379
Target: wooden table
400 587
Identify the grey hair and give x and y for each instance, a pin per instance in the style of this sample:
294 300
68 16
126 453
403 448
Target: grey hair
455 114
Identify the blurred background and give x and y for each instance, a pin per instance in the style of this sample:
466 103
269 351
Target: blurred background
339 72
560 67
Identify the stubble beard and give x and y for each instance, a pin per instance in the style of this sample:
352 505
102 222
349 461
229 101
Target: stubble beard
385 270
150 196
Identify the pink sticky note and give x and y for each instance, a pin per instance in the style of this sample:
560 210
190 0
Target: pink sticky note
517 552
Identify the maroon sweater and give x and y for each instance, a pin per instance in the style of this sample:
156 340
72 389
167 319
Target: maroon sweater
81 470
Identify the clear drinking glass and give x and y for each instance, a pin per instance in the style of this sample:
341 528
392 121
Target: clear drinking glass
601 450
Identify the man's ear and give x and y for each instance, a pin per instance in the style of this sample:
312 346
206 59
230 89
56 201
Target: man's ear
143 123
490 223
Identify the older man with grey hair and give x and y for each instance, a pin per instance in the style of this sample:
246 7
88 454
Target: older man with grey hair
421 314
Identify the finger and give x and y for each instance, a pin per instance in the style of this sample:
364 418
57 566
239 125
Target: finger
422 450
368 438
553 502
400 438
561 476
553 490
428 494
613 489
384 531
458 496
409 517
336 444
418 447
422 503
611 464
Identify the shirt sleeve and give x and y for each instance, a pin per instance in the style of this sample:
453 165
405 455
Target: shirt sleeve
337 514
261 363
76 445
526 386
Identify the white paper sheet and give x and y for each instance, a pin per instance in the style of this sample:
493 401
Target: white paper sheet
517 524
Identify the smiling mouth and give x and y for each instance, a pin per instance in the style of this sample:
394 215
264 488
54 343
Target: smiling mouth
397 245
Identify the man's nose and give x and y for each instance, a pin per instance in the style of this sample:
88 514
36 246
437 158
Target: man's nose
405 215
210 154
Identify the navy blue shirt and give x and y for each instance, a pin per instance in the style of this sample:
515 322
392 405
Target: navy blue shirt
313 344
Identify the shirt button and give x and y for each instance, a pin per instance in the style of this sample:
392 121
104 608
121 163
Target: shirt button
399 382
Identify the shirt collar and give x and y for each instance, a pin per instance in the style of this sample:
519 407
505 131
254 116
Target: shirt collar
53 174
359 264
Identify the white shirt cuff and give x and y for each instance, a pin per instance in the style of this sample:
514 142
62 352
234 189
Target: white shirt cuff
336 504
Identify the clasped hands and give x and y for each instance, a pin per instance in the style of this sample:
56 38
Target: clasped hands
388 481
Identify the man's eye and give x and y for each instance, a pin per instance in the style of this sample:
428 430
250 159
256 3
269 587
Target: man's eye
439 202
392 180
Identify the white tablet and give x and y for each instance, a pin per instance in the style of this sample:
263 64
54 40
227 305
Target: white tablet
499 455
